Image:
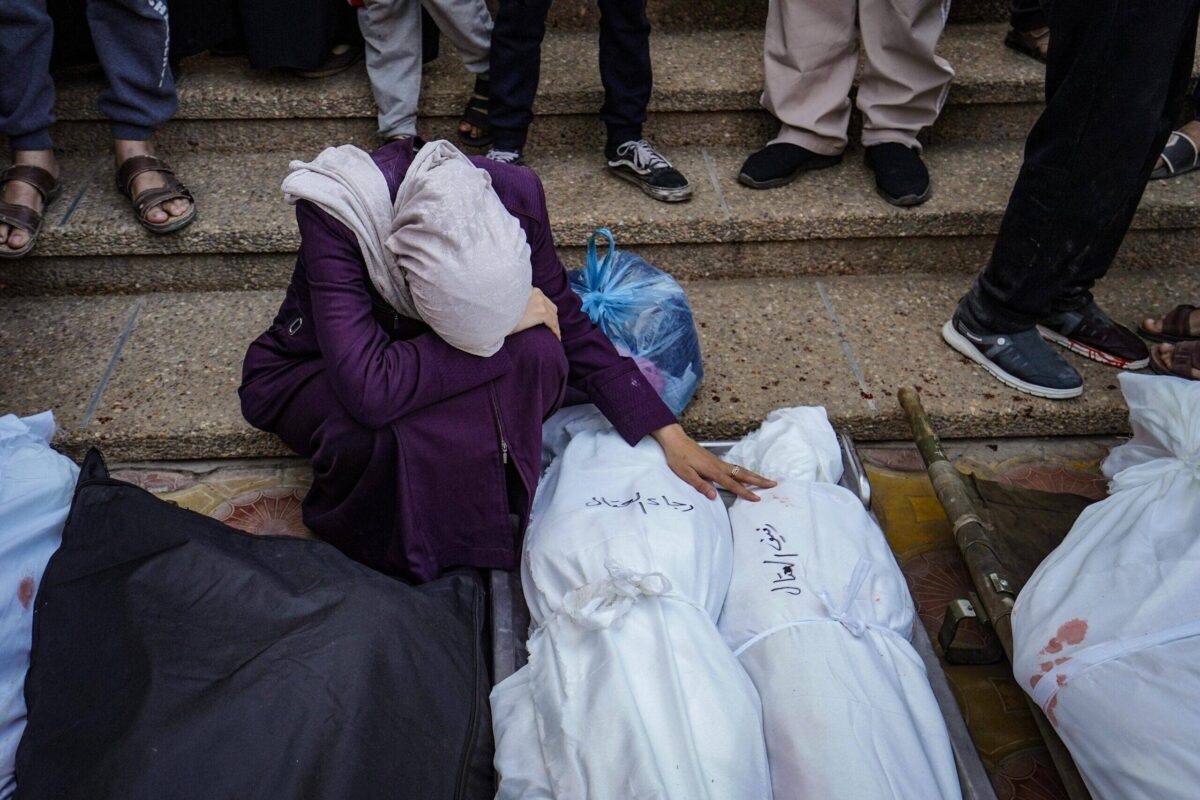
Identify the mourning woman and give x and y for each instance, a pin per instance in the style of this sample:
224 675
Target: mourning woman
425 457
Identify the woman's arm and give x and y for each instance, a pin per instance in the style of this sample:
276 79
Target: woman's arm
615 384
376 379
611 381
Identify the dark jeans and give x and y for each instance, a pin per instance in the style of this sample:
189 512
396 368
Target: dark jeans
1117 77
1027 15
131 39
516 64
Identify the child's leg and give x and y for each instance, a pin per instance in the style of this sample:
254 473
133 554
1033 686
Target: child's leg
468 26
391 30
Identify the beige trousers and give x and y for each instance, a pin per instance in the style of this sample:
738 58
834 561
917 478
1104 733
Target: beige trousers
811 55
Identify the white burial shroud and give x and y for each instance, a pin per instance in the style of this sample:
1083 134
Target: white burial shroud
1106 632
630 691
819 615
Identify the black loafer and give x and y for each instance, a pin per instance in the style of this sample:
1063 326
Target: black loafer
900 175
1092 334
778 164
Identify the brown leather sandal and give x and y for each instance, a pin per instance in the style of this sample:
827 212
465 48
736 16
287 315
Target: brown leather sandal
1034 44
20 216
171 189
1175 327
1185 360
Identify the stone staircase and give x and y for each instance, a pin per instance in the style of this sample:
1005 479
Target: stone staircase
817 293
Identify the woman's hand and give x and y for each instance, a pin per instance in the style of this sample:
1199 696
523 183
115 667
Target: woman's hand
540 310
698 467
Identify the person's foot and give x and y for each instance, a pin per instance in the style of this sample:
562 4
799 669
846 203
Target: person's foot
1182 323
164 212
506 156
341 58
1191 133
1021 360
1034 43
22 194
901 177
1092 334
639 163
780 163
1164 360
473 127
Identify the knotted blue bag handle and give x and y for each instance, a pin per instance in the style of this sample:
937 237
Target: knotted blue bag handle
594 264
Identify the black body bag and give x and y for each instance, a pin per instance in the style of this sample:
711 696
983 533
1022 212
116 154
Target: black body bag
176 658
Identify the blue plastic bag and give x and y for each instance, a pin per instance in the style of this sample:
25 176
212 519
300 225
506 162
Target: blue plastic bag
646 315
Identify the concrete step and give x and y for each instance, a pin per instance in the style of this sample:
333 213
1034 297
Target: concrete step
706 91
826 222
710 14
154 376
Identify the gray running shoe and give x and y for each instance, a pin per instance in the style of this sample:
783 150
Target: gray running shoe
1021 360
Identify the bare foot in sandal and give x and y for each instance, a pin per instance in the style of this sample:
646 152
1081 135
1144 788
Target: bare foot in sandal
1181 360
1180 324
20 193
473 128
167 214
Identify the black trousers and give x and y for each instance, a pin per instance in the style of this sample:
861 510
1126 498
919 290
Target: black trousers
1027 15
1115 83
625 70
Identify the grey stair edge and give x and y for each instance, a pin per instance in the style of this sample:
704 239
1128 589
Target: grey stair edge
889 426
223 88
241 211
848 343
885 257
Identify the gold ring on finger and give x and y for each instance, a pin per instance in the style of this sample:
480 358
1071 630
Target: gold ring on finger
733 473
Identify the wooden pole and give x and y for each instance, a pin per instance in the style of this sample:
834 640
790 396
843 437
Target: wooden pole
988 574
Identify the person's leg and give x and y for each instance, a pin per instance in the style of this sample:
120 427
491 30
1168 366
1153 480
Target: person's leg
26 103
627 76
625 68
1112 71
391 32
904 82
515 67
1029 31
468 26
902 90
1027 15
132 39
809 60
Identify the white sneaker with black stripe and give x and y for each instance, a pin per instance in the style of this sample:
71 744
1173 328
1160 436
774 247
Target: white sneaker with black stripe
639 163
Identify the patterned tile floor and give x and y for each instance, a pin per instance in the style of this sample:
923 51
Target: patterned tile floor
993 705
265 497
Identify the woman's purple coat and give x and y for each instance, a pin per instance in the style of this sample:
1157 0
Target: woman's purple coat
420 451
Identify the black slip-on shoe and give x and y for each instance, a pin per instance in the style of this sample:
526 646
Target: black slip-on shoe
901 177
1020 360
1092 334
780 163
639 163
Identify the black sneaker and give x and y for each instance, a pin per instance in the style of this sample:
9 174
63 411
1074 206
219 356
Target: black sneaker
900 175
780 163
1021 360
639 163
1092 334
514 157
